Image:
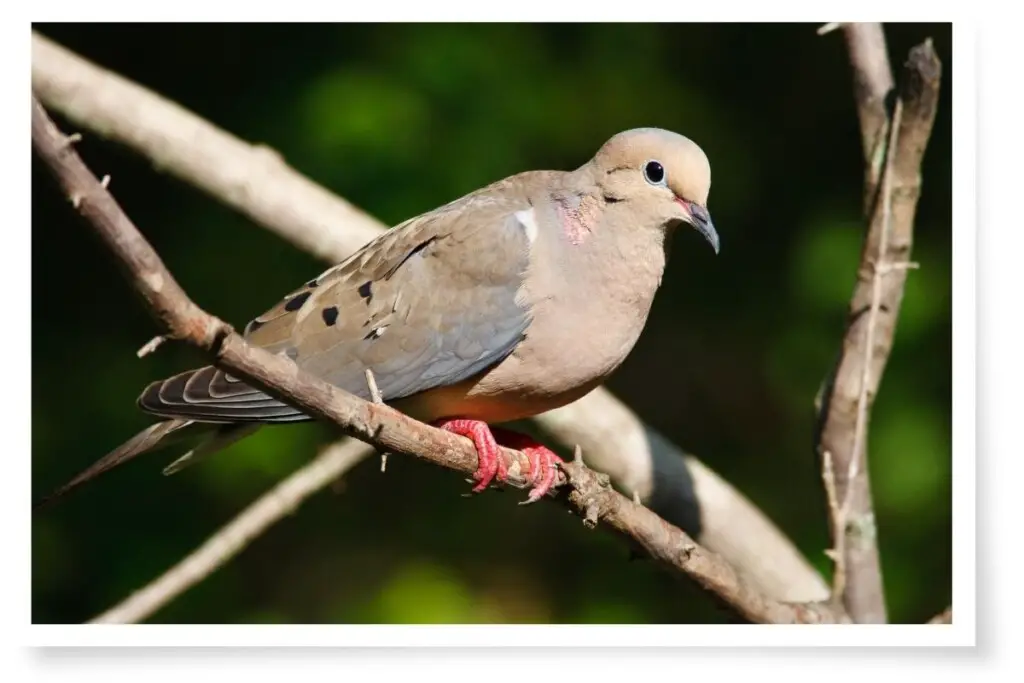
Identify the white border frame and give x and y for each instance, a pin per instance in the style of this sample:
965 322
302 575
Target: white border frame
962 632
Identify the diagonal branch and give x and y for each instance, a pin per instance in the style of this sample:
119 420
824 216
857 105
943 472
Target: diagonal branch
586 493
261 185
281 500
894 141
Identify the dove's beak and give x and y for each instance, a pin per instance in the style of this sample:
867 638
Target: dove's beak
699 218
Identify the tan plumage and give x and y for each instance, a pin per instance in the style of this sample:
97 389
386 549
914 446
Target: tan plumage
507 302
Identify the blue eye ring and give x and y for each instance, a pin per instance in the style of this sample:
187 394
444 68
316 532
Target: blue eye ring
654 172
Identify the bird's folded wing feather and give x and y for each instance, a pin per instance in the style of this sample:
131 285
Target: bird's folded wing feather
429 303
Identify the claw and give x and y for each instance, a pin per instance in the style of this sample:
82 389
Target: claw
542 459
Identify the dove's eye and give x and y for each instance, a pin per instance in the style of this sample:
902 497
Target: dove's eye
654 173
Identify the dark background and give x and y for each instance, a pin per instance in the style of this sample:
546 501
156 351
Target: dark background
402 118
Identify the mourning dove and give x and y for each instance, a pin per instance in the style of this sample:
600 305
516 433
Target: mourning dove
510 301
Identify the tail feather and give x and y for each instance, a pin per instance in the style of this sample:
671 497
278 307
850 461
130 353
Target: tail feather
151 438
218 441
211 395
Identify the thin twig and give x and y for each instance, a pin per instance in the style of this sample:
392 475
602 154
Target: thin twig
277 503
879 270
258 183
586 492
151 346
371 383
837 516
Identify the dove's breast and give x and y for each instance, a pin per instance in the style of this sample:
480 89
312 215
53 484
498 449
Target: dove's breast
586 316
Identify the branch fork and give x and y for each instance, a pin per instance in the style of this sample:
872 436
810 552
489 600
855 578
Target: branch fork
893 143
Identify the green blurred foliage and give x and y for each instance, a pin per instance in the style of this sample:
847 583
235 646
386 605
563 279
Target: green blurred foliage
400 119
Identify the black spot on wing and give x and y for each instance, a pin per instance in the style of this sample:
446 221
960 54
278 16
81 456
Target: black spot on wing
366 291
330 315
295 303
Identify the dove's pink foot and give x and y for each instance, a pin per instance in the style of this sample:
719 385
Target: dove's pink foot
492 466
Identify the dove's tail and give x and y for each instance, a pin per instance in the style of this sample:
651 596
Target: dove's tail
155 437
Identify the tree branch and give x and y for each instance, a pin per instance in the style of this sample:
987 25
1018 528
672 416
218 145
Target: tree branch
252 179
280 501
872 85
687 493
587 493
262 186
894 144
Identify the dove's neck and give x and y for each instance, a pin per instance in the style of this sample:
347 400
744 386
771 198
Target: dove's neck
608 251
603 273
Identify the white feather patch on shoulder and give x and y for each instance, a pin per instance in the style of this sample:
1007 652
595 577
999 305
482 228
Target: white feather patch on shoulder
528 219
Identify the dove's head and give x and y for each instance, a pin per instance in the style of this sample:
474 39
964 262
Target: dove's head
662 175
